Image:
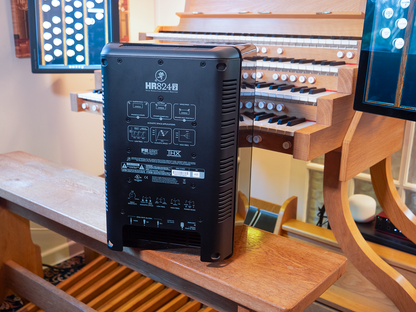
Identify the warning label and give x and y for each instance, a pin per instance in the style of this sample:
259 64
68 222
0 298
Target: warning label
162 170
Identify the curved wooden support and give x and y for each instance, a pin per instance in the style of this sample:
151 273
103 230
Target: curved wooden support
388 280
401 216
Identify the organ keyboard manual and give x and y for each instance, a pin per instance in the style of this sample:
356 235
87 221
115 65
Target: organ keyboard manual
171 121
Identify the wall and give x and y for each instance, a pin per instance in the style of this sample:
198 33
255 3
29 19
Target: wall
35 117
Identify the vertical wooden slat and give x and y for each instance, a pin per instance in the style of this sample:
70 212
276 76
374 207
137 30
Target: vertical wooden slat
116 289
159 300
174 304
137 287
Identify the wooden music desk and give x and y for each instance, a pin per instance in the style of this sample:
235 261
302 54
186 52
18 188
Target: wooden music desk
266 272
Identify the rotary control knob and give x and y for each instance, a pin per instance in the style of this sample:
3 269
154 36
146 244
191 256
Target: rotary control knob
249 138
284 77
340 54
253 75
259 75
84 105
302 79
350 54
276 76
245 75
270 106
95 108
257 49
257 139
249 105
261 105
293 78
280 107
311 80
264 49
280 50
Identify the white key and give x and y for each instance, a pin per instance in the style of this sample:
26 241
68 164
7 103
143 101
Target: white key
91 96
313 98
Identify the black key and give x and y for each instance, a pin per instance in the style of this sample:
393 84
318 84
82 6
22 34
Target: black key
294 61
304 61
263 117
326 63
337 63
275 86
287 87
264 85
315 91
253 115
285 120
276 118
98 91
297 89
249 85
318 62
266 59
296 121
285 59
241 118
306 90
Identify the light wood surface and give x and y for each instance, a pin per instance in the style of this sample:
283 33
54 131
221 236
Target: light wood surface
280 6
56 196
399 214
16 244
388 280
370 139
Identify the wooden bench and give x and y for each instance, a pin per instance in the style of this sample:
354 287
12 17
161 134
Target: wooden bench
266 272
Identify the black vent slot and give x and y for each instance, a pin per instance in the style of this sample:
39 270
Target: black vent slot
227 140
132 234
226 165
226 181
228 123
225 205
229 96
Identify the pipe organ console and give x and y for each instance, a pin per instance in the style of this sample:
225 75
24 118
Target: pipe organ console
293 91
297 93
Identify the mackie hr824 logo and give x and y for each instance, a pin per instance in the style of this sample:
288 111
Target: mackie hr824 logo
160 85
161 75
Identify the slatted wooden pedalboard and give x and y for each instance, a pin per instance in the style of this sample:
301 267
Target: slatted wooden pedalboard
105 286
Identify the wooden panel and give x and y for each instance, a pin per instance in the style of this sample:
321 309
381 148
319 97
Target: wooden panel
319 139
91 106
16 244
281 6
39 291
376 137
262 24
304 272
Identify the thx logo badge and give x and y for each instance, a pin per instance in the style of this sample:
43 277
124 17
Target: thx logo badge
174 153
160 75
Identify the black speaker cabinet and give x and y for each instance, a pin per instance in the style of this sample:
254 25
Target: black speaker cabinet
171 116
